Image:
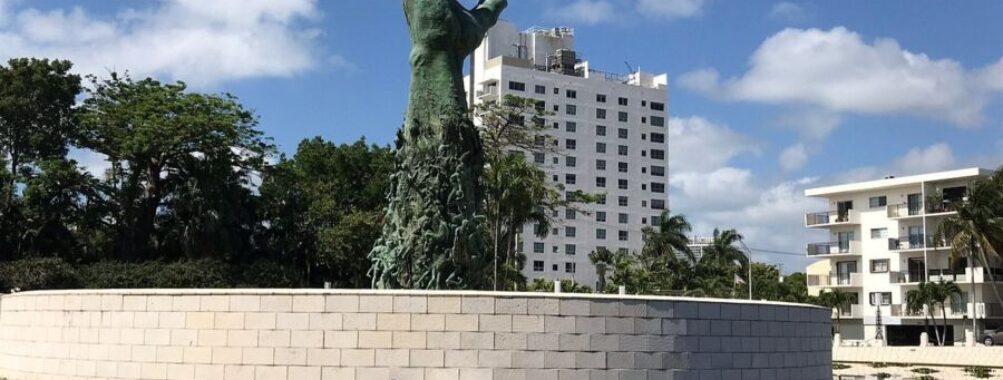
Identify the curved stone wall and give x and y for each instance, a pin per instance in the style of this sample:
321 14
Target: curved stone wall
372 335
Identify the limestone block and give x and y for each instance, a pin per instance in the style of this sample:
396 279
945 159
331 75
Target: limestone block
308 304
376 304
278 304
543 306
511 306
444 304
428 322
341 304
410 304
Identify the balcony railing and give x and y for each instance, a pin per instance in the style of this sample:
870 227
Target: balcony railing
947 275
906 210
835 280
911 277
834 248
853 311
915 242
832 217
488 92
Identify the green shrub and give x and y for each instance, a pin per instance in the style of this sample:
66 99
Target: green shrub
925 371
155 274
38 274
839 366
979 372
267 274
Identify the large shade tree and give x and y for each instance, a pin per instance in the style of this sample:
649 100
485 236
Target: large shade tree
167 145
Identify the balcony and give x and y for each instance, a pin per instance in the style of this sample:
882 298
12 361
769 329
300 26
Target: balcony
916 243
836 280
488 93
947 275
960 310
846 248
832 218
853 312
906 277
906 211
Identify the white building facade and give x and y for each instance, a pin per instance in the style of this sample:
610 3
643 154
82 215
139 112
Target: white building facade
882 245
612 133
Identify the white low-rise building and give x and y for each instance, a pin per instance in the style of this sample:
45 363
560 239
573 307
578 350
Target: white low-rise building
882 244
611 129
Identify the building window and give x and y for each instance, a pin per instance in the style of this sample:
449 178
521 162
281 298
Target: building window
622 184
541 89
556 160
658 154
600 181
600 130
624 117
879 266
570 231
600 98
622 150
571 94
657 121
600 114
656 106
881 201
658 187
570 162
539 158
600 234
571 109
622 167
623 236
879 233
658 204
600 147
622 201
657 138
571 127
623 102
883 299
600 164
569 214
658 171
537 266
656 220
622 133
570 249
601 216
602 199
554 268
538 247
570 144
541 106
569 267
623 218
570 179
516 86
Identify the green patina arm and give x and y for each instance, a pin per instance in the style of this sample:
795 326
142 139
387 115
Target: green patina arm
433 236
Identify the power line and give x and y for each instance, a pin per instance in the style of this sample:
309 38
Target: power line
776 252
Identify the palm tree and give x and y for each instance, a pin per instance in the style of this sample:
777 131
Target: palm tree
670 238
939 293
722 261
835 299
919 300
976 231
659 257
602 259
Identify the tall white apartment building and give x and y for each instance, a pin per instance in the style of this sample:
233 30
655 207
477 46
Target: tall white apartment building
611 129
881 245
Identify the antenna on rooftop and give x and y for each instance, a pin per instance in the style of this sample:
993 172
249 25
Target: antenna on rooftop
629 67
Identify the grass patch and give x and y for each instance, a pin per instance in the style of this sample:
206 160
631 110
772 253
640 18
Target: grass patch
883 375
924 371
835 366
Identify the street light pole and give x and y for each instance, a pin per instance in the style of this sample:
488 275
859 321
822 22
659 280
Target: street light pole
748 252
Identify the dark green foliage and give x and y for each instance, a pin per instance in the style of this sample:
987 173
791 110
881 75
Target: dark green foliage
839 366
38 274
882 375
924 371
206 273
266 274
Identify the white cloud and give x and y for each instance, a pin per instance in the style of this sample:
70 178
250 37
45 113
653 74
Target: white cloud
933 158
836 70
697 144
812 124
787 11
202 42
708 187
793 158
671 8
593 12
92 162
586 12
992 76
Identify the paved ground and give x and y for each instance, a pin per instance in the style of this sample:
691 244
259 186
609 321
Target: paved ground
866 371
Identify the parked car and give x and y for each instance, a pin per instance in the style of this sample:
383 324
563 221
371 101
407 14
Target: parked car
991 337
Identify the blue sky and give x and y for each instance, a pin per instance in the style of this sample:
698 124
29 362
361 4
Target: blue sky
767 97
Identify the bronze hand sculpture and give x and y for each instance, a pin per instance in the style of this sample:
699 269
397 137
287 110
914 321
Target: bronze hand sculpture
433 237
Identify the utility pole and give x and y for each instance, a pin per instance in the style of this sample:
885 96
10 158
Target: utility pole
748 252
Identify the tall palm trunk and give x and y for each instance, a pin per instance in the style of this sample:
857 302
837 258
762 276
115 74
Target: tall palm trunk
943 312
992 279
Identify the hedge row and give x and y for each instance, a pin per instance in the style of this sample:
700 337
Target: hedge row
54 273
